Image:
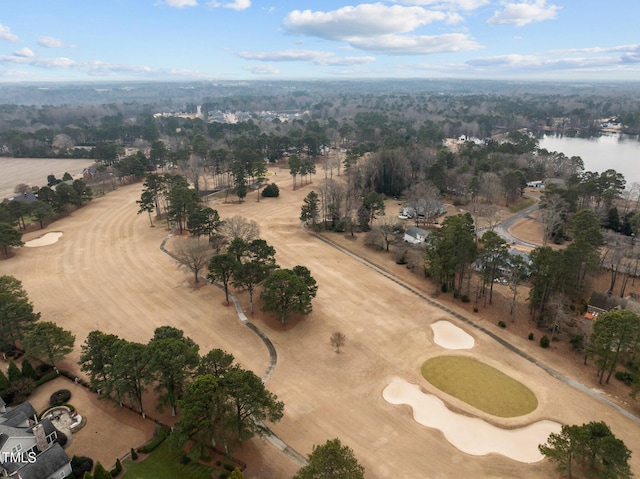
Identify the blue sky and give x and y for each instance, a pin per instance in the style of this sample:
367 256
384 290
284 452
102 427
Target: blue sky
109 40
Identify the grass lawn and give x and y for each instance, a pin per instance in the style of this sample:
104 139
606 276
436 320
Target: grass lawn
165 464
479 385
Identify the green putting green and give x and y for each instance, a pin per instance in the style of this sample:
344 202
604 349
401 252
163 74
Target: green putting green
480 385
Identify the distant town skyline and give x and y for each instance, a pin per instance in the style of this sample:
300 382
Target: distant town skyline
176 40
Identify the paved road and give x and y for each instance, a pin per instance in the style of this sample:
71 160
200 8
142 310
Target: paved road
503 228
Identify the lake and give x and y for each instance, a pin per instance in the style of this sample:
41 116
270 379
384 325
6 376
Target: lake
599 153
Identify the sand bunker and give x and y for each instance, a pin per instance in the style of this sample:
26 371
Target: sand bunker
450 336
44 240
471 435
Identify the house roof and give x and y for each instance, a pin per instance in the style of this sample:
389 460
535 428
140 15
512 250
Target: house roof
16 416
47 426
414 231
27 197
47 463
604 301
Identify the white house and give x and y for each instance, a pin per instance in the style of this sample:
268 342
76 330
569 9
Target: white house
415 235
28 448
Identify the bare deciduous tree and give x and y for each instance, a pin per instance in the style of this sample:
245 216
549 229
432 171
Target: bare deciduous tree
552 214
21 189
240 227
193 255
337 341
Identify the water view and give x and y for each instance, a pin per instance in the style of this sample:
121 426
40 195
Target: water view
599 153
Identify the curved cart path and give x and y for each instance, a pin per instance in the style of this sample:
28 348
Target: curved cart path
108 273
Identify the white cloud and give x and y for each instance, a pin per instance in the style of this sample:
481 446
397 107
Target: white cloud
24 52
516 62
234 5
416 44
364 20
520 14
180 3
263 70
447 4
311 56
63 63
618 48
380 28
51 42
5 34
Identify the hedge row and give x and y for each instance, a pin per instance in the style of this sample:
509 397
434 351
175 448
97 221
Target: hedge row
161 434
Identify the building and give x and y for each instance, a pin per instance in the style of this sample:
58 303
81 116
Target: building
424 208
415 235
602 302
30 449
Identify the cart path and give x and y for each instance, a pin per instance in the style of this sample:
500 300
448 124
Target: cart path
273 361
273 356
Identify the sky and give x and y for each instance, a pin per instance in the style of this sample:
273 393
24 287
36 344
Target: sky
179 40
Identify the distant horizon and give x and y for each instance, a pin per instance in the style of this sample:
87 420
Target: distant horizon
246 40
318 80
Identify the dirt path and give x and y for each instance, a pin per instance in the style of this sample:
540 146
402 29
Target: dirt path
107 272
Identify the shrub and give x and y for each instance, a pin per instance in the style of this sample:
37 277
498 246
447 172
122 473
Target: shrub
465 299
100 472
80 465
502 324
50 376
224 475
577 341
61 438
4 382
8 349
43 368
218 463
624 376
59 397
184 460
134 454
229 467
117 469
544 341
271 191
161 434
531 337
475 310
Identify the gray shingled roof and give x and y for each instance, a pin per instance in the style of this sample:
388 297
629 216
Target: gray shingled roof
16 416
47 463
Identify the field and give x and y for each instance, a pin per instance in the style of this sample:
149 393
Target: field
107 272
34 171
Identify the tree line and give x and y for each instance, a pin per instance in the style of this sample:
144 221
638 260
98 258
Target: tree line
49 201
21 329
219 401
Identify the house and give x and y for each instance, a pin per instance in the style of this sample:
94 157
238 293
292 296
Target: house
415 235
427 208
602 302
30 449
27 197
536 184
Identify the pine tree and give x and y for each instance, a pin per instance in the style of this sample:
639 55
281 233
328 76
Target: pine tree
28 371
14 373
99 472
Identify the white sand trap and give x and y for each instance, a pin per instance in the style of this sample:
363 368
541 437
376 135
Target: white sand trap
471 435
44 240
450 336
